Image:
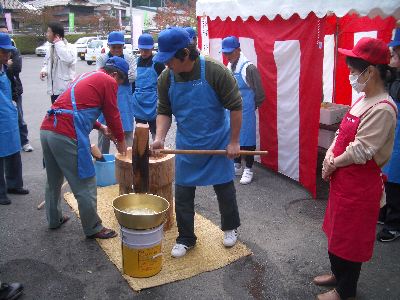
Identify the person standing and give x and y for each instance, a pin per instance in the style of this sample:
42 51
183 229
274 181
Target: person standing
353 165
10 145
116 44
145 95
391 227
197 90
13 71
64 135
252 92
59 62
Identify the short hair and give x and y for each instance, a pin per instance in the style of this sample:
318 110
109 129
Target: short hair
112 69
57 28
193 53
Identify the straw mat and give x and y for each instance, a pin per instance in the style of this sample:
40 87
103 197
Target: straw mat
209 253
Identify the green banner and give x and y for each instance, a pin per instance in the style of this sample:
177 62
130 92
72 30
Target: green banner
71 22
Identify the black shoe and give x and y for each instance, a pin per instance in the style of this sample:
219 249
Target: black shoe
5 201
11 291
386 235
18 191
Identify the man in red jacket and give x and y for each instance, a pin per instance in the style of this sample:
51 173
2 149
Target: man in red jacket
65 142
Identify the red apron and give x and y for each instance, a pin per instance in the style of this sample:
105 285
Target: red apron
354 199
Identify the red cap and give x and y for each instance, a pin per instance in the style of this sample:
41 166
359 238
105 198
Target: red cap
371 50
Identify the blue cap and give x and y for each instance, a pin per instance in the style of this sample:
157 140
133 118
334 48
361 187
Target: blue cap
146 41
192 32
229 44
170 41
116 38
396 40
119 63
5 41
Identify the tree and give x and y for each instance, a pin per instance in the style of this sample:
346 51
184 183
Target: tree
176 14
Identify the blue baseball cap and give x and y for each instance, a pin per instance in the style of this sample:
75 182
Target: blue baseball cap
229 44
119 63
5 41
116 38
396 40
170 41
192 32
146 41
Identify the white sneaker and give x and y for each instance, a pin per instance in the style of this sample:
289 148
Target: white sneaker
230 238
247 176
238 169
27 148
179 250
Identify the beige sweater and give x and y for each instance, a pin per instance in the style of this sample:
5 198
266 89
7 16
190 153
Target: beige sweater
375 134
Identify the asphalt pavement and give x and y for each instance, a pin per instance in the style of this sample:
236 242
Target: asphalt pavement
281 224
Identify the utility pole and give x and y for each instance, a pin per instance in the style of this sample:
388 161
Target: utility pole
130 12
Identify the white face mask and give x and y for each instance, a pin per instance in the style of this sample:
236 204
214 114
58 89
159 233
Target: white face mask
358 87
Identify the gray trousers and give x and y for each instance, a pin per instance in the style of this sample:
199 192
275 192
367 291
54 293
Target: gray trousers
61 159
103 142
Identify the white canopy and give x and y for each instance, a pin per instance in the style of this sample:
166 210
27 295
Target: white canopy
286 8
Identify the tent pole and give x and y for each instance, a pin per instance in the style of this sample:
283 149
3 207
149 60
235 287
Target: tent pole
335 60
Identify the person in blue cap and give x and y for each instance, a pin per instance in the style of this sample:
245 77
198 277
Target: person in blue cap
145 95
116 44
64 136
192 34
252 91
198 90
390 213
10 145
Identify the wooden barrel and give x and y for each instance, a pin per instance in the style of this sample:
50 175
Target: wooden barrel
161 176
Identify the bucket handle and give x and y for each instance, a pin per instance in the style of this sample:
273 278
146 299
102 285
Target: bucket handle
157 255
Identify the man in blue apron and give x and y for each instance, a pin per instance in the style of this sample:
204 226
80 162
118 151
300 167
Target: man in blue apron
198 90
251 89
116 44
64 135
10 145
145 95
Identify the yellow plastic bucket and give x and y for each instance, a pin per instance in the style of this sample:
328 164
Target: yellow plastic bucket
141 251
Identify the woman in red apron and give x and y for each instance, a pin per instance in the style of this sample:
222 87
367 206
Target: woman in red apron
353 166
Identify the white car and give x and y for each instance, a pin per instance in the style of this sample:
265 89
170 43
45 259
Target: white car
42 50
81 45
98 47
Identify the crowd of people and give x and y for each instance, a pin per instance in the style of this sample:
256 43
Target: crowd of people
214 107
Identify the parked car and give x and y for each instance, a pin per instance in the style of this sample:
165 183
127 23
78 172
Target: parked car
98 47
94 49
81 45
42 50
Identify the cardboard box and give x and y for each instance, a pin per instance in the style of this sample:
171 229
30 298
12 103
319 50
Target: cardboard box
325 138
331 113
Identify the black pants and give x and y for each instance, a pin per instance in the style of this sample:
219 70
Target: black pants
152 126
347 274
23 128
53 98
248 158
10 173
390 213
184 209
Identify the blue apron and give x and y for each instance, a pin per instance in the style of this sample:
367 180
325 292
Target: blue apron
125 106
83 123
145 95
392 168
9 131
201 124
248 129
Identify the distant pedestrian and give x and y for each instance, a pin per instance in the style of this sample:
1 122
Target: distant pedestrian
59 62
13 71
116 42
252 92
10 144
